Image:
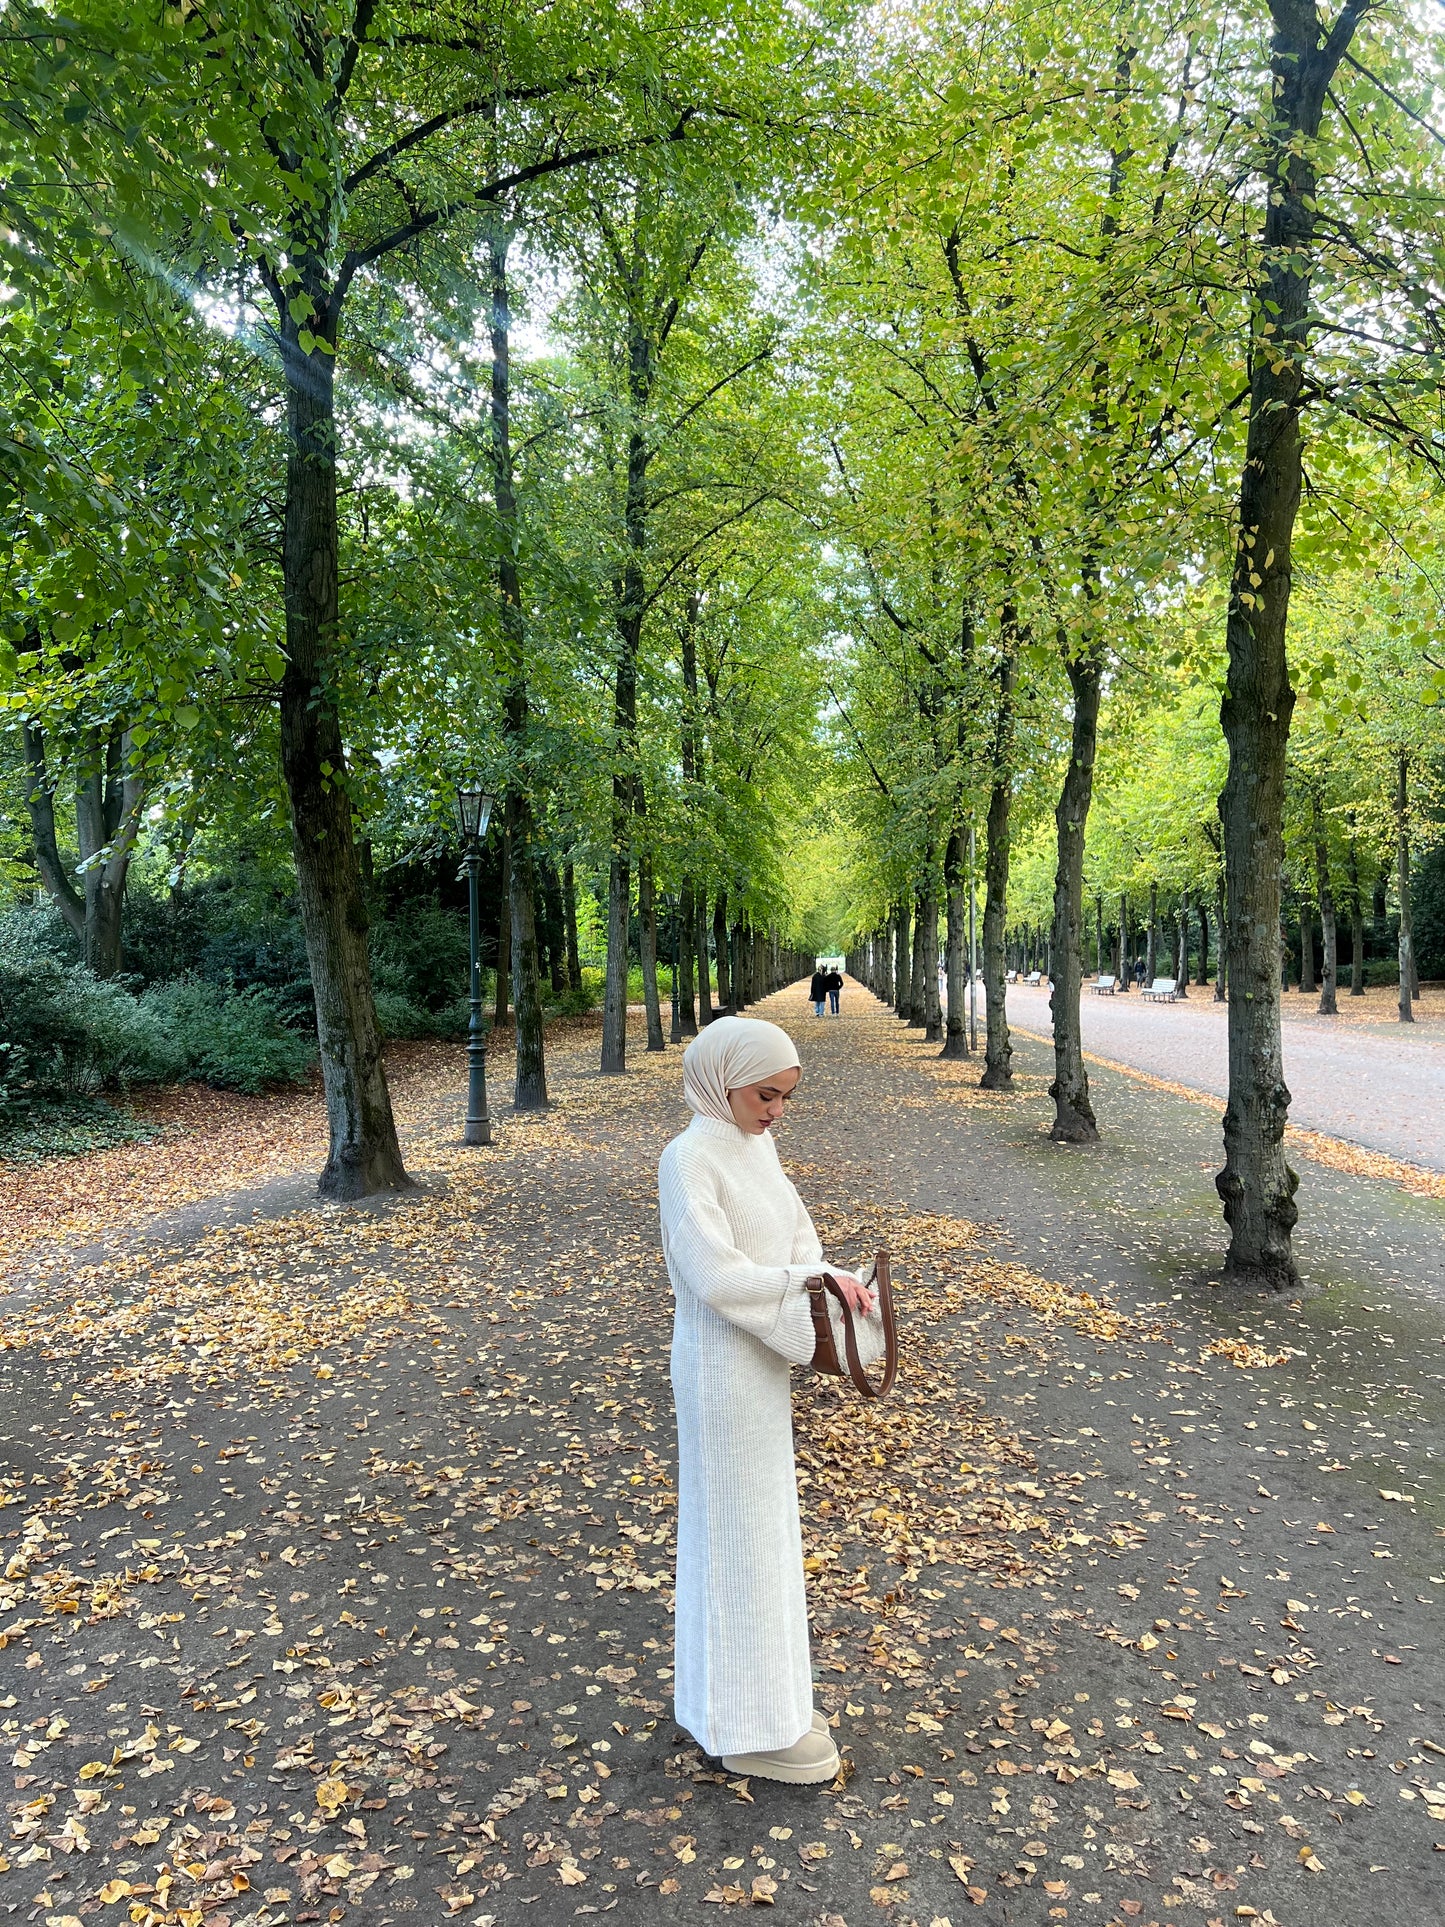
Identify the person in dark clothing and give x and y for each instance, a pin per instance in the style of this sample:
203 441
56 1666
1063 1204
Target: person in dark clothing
833 984
817 992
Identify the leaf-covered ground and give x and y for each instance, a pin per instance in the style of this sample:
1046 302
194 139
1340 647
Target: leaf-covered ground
337 1576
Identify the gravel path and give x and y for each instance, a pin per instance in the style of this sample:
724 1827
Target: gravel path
1369 1085
337 1581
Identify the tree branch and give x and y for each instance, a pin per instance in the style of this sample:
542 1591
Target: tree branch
556 163
1394 99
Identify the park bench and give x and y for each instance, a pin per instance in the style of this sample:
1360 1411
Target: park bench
1163 990
1105 986
1013 977
1034 977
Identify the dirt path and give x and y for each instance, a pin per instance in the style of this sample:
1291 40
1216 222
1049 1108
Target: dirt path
1365 1082
339 1556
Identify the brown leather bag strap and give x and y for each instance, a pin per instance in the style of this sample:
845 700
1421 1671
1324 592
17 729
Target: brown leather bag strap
883 1279
825 1350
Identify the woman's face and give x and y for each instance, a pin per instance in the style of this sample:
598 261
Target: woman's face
757 1107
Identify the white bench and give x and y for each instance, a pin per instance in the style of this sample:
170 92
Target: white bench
1012 977
1163 990
1105 986
1035 977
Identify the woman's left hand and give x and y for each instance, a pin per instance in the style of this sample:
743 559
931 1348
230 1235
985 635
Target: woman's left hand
860 1298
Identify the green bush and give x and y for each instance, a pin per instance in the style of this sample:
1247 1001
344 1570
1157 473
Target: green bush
1379 971
574 1003
232 1039
400 1017
420 952
64 1033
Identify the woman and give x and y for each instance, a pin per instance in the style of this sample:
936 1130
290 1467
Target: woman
739 1247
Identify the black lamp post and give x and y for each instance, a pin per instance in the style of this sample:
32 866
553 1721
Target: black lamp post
474 811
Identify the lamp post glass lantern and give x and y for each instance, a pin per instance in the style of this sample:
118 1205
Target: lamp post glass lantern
474 812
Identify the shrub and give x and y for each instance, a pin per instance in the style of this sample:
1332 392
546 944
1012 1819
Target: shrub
232 1039
575 1003
66 1033
400 1017
420 953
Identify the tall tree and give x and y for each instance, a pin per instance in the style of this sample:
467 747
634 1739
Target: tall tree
1257 1185
518 818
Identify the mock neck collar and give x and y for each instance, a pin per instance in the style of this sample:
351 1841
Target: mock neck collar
724 1130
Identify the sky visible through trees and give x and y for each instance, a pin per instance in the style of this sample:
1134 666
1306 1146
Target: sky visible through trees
809 464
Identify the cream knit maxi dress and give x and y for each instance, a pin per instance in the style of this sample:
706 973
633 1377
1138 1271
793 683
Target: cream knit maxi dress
739 1245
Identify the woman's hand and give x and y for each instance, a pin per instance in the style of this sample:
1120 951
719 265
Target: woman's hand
859 1297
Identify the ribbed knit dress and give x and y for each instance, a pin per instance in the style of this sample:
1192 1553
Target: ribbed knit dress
739 1245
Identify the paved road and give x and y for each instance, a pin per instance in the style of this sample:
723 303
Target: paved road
1369 1086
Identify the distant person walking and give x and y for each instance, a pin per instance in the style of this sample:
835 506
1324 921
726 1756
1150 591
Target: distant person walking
833 983
817 992
740 1247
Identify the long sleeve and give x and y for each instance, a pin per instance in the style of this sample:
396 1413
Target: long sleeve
768 1301
807 1245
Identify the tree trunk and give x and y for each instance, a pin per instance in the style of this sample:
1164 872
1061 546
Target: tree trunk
955 1043
704 967
108 797
1329 936
619 919
630 592
932 1014
1306 944
1221 968
739 971
720 946
556 928
647 944
1203 941
903 969
531 1084
540 921
364 1154
687 1007
997 1050
40 799
569 912
694 895
1125 975
1181 957
1098 933
501 1004
1151 943
917 982
1073 1115
1357 923
1257 1186
1402 885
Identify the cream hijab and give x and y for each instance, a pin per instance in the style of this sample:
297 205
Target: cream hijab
729 1053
